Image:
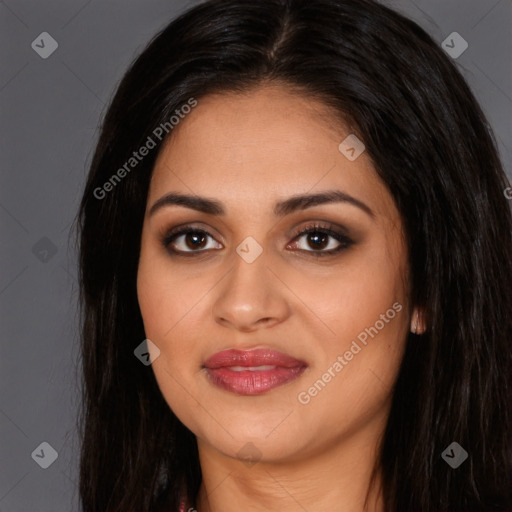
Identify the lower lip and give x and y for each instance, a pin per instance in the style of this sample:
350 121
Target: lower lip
252 382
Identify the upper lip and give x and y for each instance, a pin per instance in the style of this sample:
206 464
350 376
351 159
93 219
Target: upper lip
255 357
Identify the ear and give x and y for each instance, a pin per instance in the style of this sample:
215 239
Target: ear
418 324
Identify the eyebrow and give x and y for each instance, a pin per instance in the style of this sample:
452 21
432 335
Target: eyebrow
281 208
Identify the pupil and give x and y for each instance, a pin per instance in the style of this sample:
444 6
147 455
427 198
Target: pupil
316 237
195 237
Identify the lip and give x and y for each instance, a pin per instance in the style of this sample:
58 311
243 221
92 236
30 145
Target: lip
237 370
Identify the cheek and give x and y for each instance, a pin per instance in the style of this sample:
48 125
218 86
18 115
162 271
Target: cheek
364 306
164 296
353 295
168 316
174 311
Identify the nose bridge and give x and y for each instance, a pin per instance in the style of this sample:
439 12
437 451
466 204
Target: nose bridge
250 292
247 281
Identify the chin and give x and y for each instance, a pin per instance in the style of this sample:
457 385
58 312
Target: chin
253 439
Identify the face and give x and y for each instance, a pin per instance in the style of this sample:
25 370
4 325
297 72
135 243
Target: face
311 326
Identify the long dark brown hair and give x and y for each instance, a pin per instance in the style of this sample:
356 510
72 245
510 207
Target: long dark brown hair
433 148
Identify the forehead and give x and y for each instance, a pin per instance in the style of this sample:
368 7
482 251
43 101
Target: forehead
266 144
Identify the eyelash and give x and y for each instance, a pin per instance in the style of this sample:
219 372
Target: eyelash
345 242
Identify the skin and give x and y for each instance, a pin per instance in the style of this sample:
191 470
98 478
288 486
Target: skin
249 151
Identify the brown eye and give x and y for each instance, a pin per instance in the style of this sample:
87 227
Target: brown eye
187 240
194 240
318 238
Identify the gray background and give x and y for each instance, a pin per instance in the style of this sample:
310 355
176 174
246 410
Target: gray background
50 111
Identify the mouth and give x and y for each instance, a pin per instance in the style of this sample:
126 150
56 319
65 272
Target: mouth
252 372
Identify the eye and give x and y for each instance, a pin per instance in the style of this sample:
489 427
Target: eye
317 237
192 240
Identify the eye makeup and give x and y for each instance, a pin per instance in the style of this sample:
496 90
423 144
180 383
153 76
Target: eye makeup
315 232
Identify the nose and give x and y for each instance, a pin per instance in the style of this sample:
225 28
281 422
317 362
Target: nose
250 297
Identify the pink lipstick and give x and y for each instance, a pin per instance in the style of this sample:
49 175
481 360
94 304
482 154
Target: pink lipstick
251 372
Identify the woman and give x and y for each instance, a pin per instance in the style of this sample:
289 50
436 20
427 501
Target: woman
296 214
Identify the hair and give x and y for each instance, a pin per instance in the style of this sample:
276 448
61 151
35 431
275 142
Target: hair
431 145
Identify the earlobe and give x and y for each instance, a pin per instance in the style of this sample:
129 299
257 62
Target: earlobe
418 325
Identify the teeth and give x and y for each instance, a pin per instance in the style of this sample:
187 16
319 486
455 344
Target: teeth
251 368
